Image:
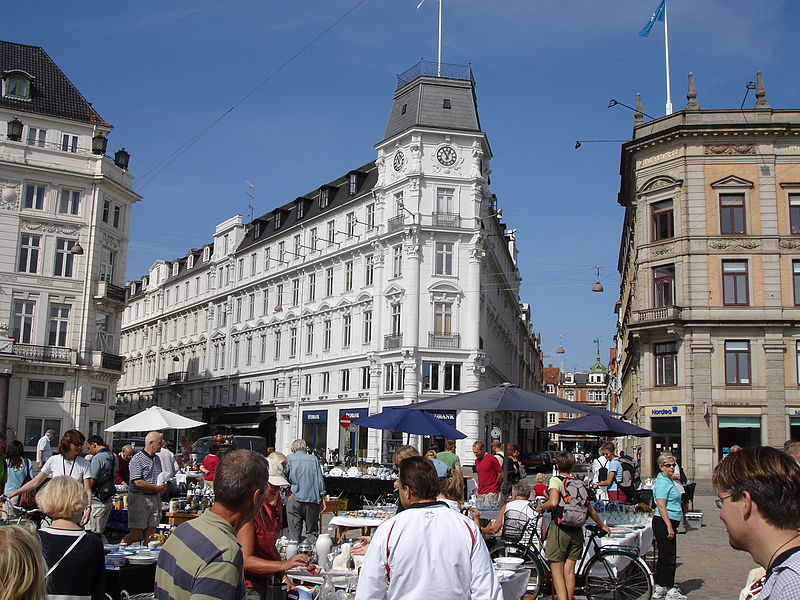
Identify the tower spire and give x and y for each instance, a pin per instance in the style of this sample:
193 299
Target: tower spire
638 114
761 93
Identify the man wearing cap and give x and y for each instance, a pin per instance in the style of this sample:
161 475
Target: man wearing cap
258 538
43 448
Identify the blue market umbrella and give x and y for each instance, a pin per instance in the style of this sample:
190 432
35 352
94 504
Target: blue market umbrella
410 421
601 425
506 397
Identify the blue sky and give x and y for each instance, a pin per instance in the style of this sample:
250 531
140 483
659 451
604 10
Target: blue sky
545 70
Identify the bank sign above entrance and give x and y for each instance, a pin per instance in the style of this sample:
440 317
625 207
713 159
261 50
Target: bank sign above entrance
664 412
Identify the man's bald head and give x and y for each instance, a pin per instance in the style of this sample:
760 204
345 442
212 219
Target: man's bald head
153 442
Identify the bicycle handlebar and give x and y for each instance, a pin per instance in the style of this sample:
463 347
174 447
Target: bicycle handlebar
596 531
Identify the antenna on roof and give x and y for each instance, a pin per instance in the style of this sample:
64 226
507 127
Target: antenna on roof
250 199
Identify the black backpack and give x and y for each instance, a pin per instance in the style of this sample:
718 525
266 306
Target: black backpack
602 472
105 488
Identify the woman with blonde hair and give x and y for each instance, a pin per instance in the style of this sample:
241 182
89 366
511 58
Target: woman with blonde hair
75 559
451 490
21 567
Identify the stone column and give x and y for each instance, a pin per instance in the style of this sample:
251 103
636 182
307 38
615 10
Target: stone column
774 434
698 440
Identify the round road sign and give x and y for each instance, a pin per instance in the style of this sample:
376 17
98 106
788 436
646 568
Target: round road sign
344 421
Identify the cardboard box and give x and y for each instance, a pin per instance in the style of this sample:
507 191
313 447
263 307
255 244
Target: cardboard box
694 519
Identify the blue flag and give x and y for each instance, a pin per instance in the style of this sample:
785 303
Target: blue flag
658 15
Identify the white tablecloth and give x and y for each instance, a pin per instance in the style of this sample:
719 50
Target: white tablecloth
640 539
515 588
355 522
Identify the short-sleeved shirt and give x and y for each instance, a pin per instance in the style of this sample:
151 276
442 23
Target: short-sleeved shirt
57 465
44 445
210 463
101 469
487 469
449 458
665 489
17 477
144 467
201 559
615 466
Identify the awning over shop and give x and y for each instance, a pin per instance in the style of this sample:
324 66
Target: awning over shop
748 421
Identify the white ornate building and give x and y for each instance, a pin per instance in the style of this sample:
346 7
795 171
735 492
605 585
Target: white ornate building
64 214
393 283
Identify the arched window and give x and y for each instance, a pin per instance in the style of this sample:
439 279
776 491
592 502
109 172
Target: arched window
17 84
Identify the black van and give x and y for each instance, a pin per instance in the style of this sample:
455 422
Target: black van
232 442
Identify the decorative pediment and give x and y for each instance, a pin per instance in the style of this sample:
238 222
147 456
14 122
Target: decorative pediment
732 182
445 287
659 183
217 335
259 323
274 321
363 297
393 290
343 302
323 307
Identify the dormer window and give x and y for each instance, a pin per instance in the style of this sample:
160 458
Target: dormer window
206 253
257 229
324 197
278 220
353 183
175 268
133 288
190 261
17 84
301 209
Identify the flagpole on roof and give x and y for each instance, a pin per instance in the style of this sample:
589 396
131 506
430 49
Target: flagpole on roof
666 55
439 56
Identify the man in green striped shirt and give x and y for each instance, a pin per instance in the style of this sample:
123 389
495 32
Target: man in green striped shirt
202 559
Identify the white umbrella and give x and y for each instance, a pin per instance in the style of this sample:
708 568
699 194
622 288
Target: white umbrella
153 419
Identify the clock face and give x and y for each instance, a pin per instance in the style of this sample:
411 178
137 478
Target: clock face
399 160
446 155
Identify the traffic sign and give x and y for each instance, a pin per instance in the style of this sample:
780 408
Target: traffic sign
344 421
353 428
495 433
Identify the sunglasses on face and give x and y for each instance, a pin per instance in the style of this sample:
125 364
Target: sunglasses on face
669 465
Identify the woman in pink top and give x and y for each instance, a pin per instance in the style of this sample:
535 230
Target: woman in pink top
209 465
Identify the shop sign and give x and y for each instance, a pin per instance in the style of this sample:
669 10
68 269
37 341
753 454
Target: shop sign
663 412
349 414
527 423
315 416
448 416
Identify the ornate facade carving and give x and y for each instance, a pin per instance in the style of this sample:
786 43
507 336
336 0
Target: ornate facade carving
47 227
789 244
734 244
9 193
111 241
663 249
719 149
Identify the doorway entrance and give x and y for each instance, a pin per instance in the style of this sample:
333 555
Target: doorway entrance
667 439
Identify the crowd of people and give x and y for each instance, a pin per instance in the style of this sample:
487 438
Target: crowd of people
230 551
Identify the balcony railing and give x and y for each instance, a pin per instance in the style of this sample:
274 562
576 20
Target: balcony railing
177 377
662 313
441 219
113 292
396 223
110 361
444 340
392 342
54 354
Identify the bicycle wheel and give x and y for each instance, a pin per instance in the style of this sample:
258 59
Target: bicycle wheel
531 561
616 575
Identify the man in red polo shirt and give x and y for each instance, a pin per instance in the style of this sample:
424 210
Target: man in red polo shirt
489 473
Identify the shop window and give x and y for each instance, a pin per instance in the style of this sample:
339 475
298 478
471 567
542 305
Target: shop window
315 430
734 283
731 214
662 220
737 363
35 429
740 430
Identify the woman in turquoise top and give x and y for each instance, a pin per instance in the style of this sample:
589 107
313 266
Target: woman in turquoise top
665 523
19 470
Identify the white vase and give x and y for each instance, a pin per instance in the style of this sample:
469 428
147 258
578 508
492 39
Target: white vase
324 543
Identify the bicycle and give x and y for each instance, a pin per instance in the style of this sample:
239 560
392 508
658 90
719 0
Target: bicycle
32 519
606 573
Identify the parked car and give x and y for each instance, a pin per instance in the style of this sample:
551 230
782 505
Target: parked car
117 444
255 443
535 462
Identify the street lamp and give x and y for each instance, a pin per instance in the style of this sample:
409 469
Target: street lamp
597 286
14 132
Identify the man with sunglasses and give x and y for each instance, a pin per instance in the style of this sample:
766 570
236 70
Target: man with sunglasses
758 494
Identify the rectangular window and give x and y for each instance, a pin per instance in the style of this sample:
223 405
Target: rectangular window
663 220
397 260
731 213
348 276
797 360
297 246
59 322
45 389
666 356
301 209
331 232
292 342
737 363
444 258
430 376
443 318
312 238
353 183
235 357
344 376
329 281
106 210
277 354
395 320
369 270
36 428
64 258
69 202
240 268
794 213
326 335
366 379
312 286
734 283
37 137
279 297
237 315
253 264
108 261
251 306
388 378
98 395
452 377
276 388
306 385
267 258
282 251
350 224
34 196
295 292
347 326
278 219
398 204
69 142
444 201
324 195
249 353
796 281
664 286
29 253
22 331
367 333
264 301
309 338
370 216
263 349
325 382
117 215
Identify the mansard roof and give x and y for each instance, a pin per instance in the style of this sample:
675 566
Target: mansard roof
52 93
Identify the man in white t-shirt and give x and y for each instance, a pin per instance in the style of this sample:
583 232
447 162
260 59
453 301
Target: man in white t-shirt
43 448
601 462
169 466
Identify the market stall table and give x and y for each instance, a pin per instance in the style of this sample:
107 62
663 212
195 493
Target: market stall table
515 588
134 579
176 518
355 489
343 523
